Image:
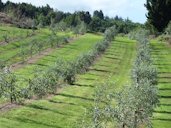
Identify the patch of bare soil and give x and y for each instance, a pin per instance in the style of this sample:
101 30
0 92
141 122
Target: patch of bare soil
36 57
8 106
31 60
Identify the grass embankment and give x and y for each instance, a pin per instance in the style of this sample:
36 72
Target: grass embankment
64 109
162 59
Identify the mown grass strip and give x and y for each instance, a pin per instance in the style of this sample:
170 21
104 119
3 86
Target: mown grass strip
162 59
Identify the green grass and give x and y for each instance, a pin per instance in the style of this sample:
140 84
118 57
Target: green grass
68 106
161 53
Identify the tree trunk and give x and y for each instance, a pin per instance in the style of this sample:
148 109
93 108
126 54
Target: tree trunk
135 120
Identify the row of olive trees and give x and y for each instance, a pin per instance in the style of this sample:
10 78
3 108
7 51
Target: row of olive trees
139 100
65 71
36 46
133 106
49 81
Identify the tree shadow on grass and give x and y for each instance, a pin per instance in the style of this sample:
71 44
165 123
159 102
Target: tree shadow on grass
60 102
164 77
77 97
45 109
164 89
164 72
161 119
83 85
164 82
164 96
89 79
100 70
164 104
31 121
162 112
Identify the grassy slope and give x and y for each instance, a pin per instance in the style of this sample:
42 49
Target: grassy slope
162 56
63 110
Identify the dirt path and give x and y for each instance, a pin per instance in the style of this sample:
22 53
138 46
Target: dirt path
35 58
32 59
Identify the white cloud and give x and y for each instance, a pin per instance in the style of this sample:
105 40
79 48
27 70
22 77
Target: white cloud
134 9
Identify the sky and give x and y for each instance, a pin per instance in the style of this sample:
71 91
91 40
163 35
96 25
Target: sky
133 9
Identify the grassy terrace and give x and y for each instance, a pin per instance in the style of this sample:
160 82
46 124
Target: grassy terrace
12 32
68 106
11 53
162 55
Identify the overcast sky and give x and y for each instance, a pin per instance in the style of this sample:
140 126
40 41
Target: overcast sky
134 9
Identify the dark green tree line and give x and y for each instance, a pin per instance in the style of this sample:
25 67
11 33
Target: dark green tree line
159 13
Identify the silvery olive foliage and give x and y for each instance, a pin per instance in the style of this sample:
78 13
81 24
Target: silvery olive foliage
110 33
132 107
139 34
9 88
140 99
80 29
41 85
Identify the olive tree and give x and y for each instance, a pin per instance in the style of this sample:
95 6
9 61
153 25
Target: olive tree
134 104
110 33
61 26
82 28
9 87
39 86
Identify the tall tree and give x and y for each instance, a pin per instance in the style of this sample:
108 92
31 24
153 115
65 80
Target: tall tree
1 5
98 14
158 13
